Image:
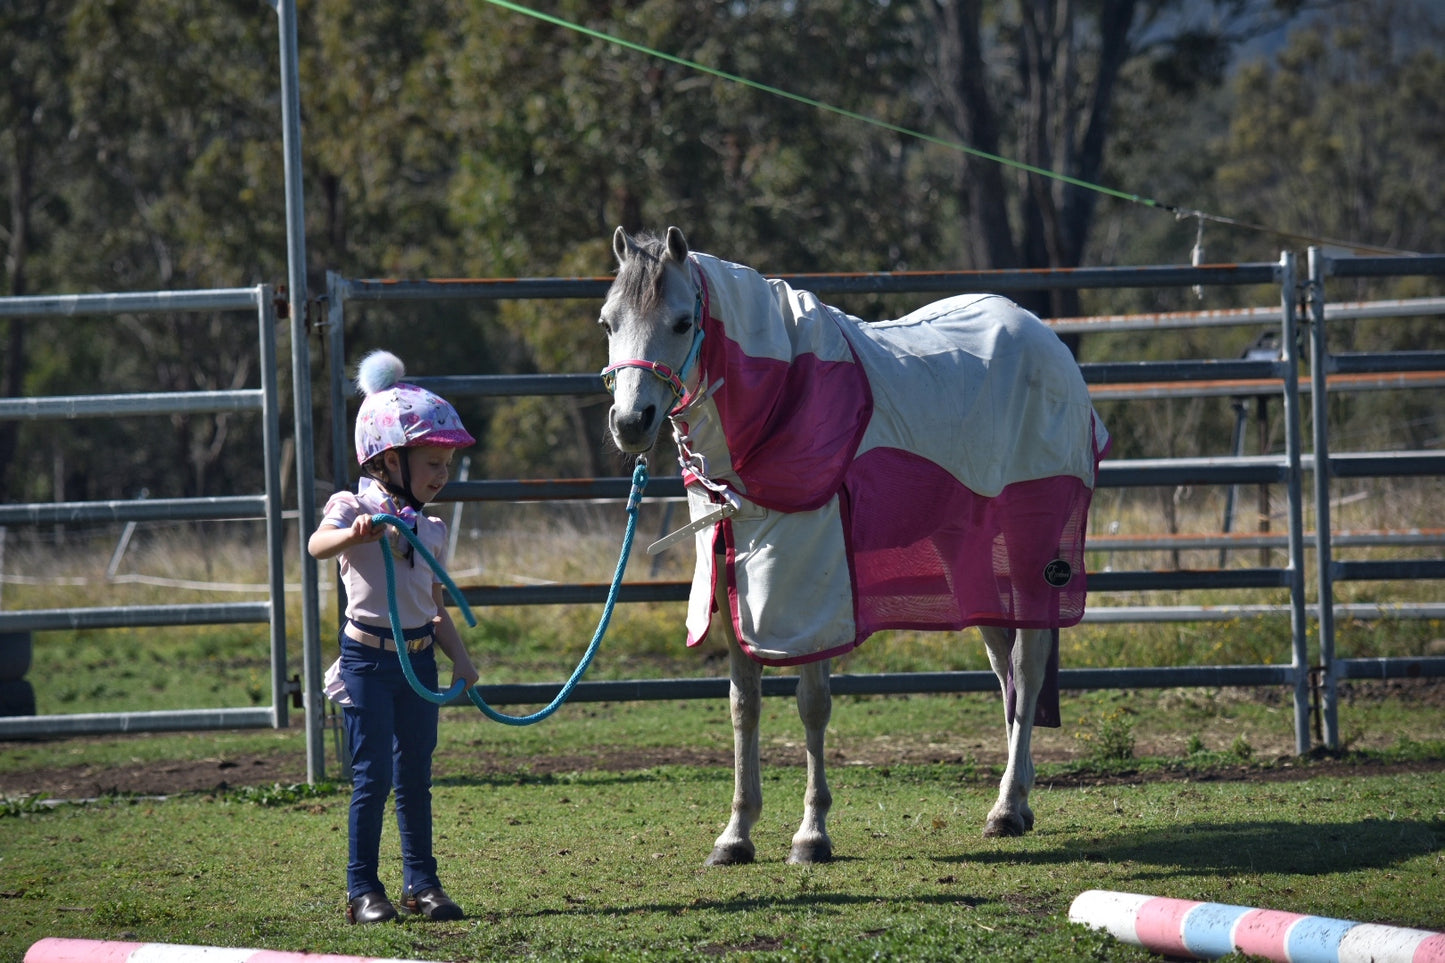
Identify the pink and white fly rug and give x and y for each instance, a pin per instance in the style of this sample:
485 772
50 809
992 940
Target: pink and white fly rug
932 472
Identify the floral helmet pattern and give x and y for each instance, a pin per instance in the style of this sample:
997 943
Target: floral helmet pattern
395 414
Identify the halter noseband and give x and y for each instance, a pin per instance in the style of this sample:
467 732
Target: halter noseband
674 379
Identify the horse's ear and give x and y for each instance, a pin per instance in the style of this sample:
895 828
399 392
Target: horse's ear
620 244
676 245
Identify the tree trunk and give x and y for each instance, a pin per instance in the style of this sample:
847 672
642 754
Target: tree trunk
21 190
1063 127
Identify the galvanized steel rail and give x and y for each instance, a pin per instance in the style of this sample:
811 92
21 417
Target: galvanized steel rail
1322 364
1285 471
1274 378
266 505
1277 378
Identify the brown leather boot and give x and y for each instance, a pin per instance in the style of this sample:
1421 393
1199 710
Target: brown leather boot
370 908
431 903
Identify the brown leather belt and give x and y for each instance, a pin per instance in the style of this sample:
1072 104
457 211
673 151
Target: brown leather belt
377 642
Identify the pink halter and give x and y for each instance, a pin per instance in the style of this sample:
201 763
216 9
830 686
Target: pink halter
674 379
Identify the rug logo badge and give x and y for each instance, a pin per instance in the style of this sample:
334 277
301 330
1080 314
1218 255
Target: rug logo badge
1058 573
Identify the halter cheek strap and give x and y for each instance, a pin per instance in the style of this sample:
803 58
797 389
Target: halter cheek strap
674 379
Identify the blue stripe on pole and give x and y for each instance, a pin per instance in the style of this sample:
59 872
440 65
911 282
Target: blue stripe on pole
1317 938
1208 929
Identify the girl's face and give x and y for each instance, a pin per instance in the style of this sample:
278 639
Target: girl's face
430 469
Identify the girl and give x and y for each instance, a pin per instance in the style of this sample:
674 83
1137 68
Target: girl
405 438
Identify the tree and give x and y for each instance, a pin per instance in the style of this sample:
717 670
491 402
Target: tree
35 104
1038 81
151 168
178 190
452 138
565 136
1353 110
1340 135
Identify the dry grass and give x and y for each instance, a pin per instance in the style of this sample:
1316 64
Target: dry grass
538 543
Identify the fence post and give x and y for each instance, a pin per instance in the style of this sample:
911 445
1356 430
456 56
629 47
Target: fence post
336 387
1293 473
1319 403
313 702
266 317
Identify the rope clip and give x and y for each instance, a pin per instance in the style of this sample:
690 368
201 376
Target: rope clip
639 482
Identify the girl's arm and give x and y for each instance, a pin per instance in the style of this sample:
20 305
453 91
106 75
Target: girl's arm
450 641
328 541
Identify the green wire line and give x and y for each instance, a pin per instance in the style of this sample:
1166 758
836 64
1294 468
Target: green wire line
820 105
1180 213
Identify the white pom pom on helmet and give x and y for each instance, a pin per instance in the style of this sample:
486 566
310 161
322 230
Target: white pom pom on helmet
395 414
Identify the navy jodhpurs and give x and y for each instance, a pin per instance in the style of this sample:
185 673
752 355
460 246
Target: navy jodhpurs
392 733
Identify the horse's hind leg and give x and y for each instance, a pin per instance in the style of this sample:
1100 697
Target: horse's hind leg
735 845
815 705
1029 656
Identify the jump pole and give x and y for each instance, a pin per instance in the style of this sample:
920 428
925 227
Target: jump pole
1207 931
56 950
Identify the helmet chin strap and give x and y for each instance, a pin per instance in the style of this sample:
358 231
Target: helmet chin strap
403 494
411 500
403 491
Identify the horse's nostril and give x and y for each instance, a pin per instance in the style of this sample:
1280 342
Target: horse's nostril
633 424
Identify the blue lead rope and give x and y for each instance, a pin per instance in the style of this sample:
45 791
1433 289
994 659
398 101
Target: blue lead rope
634 499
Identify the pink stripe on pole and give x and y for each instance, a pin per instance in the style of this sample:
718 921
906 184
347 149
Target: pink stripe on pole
1431 949
1160 925
57 950
1264 933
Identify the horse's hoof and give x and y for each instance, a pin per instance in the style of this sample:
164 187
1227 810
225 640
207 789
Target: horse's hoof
733 855
999 827
806 853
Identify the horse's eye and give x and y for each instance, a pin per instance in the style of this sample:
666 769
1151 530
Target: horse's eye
606 328
682 325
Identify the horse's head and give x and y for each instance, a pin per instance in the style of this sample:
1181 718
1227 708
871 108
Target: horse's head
652 317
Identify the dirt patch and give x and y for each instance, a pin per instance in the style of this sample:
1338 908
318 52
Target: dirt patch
85 782
1270 763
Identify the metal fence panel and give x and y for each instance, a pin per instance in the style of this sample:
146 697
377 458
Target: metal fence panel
266 506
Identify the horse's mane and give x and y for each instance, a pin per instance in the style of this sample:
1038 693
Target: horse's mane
639 280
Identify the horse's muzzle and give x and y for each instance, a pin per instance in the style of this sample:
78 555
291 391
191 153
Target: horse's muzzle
634 432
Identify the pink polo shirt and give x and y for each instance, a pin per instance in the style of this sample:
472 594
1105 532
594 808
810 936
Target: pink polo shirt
363 571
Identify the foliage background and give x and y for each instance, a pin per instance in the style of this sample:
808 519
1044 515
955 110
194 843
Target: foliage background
446 138
140 150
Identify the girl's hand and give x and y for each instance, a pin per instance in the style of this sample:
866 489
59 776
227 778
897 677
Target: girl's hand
329 541
363 530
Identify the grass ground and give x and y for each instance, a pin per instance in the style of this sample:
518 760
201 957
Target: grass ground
583 837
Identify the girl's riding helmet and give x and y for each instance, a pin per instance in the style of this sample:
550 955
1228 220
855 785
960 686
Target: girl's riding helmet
395 414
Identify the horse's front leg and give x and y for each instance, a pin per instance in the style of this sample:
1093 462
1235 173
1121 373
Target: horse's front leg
815 705
1029 656
735 845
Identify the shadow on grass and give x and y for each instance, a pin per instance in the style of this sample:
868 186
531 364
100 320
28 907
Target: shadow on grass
583 777
1246 847
813 901
1250 847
